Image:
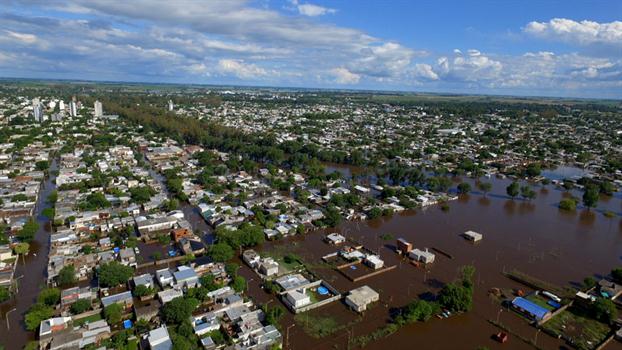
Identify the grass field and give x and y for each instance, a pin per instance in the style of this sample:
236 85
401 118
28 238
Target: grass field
540 301
584 333
89 319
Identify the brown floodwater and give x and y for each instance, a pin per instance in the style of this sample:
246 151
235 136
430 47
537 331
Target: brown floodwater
34 272
533 237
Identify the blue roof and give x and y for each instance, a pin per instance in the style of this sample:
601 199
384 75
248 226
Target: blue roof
533 309
127 324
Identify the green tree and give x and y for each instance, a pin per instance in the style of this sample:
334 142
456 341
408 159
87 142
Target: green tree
568 204
22 249
113 274
513 189
66 276
605 310
590 196
527 192
179 309
113 313
5 294
533 170
238 284
616 274
273 314
49 296
80 306
28 231
37 313
464 188
42 165
455 297
484 187
142 290
589 282
419 310
221 252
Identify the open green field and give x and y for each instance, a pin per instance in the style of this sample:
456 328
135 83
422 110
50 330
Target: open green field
89 319
584 333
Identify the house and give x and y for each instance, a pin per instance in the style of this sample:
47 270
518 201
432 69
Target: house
373 261
145 227
335 238
165 278
6 252
71 295
609 289
167 295
297 298
361 297
159 339
52 325
208 343
531 309
473 236
251 258
186 277
268 267
147 310
404 247
88 335
143 280
127 256
205 323
125 299
292 281
425 257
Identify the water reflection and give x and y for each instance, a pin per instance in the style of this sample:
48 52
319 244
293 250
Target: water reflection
509 207
587 218
526 207
484 201
464 198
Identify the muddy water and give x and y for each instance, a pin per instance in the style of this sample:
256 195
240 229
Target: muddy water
34 272
533 237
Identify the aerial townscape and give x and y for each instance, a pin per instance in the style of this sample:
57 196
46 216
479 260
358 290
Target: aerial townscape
275 175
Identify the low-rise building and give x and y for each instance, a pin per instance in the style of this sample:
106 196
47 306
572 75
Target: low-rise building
361 297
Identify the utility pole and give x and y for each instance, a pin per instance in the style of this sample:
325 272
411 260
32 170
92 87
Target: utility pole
287 335
8 325
17 283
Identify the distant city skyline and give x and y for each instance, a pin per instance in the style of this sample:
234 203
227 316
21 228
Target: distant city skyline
530 48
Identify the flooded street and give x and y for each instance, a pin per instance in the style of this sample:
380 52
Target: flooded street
31 275
532 237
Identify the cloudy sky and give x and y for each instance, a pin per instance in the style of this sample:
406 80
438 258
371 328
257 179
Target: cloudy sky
521 47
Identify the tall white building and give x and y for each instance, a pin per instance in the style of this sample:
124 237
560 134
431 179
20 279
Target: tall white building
98 109
37 110
73 109
171 106
61 106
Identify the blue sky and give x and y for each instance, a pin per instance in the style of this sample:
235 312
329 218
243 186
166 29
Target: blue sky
513 47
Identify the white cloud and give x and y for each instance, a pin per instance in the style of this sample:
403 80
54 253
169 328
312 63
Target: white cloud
22 37
241 69
388 60
344 76
584 32
473 67
314 10
423 70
